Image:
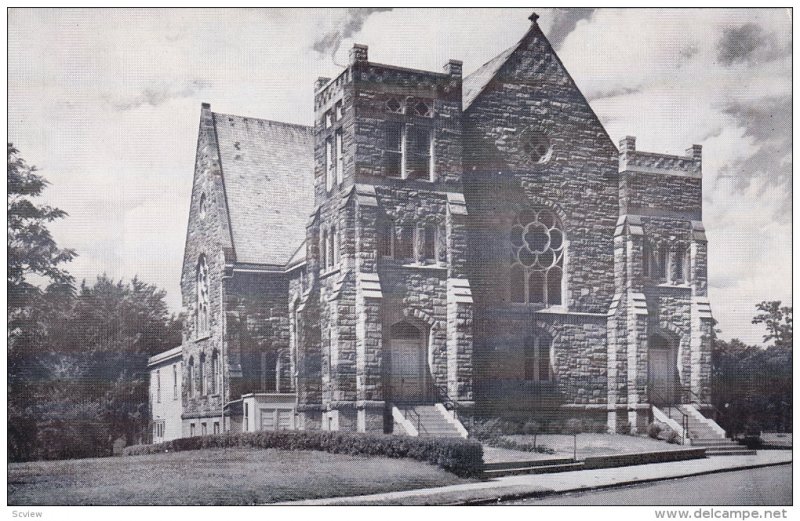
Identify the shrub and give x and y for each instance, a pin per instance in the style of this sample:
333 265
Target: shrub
573 426
505 443
531 427
654 429
461 457
671 436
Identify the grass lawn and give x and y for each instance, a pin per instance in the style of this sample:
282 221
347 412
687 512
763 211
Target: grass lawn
215 477
593 444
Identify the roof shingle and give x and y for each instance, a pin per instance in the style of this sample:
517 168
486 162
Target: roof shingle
268 171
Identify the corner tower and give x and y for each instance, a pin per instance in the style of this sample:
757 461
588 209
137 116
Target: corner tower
386 248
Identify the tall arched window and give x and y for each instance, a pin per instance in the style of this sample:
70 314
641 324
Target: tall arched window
201 282
537 357
190 374
202 375
215 372
537 258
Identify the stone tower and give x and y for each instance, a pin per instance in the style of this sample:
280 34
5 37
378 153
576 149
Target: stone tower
386 248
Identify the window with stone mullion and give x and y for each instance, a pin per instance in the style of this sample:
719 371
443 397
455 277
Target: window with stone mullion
537 258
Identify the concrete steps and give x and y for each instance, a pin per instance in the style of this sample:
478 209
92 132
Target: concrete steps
705 433
429 421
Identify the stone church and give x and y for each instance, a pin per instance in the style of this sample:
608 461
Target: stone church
436 248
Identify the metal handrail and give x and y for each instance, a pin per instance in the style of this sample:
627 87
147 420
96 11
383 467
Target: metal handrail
670 406
448 402
409 411
717 412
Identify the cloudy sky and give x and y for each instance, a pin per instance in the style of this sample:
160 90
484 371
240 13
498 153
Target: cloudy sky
106 104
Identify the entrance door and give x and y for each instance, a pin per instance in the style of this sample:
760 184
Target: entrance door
662 376
407 370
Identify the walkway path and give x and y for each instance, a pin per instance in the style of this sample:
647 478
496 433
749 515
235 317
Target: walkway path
512 487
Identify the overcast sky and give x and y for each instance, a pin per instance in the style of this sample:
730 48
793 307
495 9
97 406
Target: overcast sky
106 104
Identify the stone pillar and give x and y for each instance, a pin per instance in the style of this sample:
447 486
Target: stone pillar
370 399
459 305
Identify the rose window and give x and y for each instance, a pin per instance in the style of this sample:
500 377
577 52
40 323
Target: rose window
537 258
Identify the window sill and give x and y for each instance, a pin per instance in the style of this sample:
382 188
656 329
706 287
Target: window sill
331 271
560 308
671 285
423 266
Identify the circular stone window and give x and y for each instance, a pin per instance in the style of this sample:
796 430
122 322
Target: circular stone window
536 146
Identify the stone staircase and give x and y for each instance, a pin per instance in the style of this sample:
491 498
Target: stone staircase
705 433
428 421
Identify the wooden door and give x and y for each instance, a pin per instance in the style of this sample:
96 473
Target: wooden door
407 371
662 377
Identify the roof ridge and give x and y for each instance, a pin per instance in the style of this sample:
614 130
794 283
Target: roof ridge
271 121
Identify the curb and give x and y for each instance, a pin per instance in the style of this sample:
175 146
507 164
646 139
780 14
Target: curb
547 493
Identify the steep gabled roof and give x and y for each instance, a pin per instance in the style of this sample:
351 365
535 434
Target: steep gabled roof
268 173
474 84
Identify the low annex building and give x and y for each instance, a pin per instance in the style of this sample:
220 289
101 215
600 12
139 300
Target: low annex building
434 248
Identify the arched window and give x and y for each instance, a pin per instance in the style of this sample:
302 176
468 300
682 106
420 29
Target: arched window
537 357
190 374
537 260
323 249
215 372
663 262
201 374
202 205
201 281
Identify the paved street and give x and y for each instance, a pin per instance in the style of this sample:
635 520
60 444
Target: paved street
764 486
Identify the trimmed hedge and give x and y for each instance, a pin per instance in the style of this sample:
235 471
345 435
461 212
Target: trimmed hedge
459 456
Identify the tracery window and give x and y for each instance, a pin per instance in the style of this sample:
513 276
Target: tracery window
201 283
537 258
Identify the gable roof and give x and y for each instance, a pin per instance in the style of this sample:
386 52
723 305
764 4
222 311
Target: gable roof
474 84
268 174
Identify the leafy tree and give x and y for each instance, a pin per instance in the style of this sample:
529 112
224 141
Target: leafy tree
778 320
32 253
31 248
752 385
113 329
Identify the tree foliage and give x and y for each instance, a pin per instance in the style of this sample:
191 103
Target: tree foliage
32 253
31 248
77 361
778 321
752 385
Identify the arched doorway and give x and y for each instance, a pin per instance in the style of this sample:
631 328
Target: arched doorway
406 378
662 371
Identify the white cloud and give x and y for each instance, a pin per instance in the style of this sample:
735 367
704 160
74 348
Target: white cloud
106 103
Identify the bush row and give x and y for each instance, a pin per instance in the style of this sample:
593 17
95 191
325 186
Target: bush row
488 428
461 457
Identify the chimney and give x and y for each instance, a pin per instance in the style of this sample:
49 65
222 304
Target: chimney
695 152
627 144
321 82
453 68
358 53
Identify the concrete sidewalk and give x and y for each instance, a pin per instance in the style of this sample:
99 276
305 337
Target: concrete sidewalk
531 485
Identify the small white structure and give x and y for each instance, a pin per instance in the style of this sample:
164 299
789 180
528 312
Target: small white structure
165 394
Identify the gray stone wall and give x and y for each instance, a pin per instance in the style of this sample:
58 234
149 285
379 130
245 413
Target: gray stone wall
532 94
